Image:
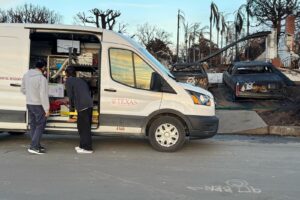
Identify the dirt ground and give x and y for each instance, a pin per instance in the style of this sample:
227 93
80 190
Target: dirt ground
281 117
288 115
285 112
224 100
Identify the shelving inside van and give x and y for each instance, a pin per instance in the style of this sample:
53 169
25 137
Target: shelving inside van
60 50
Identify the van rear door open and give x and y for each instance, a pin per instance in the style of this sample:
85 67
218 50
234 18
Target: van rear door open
14 62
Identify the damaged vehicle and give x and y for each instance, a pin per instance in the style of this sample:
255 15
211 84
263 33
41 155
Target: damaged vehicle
255 79
191 74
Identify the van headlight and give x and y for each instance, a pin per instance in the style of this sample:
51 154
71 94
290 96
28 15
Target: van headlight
200 99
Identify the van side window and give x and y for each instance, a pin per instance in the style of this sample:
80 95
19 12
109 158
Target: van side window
121 66
143 73
130 69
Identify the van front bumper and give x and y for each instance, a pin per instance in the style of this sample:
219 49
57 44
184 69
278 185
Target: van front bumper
202 127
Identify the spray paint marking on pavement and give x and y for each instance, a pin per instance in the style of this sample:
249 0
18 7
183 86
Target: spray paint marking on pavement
230 186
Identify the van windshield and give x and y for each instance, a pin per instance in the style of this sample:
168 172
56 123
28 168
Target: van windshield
162 68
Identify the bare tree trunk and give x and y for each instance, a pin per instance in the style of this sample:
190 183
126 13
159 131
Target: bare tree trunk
221 55
199 48
236 46
218 34
186 51
103 21
194 50
278 34
248 41
188 54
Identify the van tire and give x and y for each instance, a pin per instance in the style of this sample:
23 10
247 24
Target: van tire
176 134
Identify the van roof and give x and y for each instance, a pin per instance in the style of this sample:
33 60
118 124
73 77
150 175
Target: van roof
55 27
107 35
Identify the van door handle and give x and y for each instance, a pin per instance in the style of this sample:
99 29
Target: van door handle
110 90
15 85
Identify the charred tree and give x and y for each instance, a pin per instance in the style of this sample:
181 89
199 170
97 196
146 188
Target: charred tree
99 18
273 12
29 13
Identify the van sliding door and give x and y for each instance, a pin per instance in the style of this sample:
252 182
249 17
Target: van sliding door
14 62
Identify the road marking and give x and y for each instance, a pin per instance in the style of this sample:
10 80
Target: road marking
5 182
230 186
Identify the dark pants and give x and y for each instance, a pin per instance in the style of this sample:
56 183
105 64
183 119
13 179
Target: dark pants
84 123
37 121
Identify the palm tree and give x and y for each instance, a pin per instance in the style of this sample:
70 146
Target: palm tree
223 32
191 33
186 38
197 32
201 32
250 14
229 37
224 28
214 19
238 23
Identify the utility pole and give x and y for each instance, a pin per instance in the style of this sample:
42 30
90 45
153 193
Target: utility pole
210 42
178 27
194 50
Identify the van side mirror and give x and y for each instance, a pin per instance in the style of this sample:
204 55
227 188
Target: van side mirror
159 84
156 82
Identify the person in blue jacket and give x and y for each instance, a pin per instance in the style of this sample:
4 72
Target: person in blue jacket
79 95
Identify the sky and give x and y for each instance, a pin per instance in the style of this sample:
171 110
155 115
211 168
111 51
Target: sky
162 13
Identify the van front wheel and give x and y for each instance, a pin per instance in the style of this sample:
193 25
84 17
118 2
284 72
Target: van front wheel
166 134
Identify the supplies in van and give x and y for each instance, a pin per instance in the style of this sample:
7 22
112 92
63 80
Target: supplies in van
56 90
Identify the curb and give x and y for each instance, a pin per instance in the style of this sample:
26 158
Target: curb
271 130
285 130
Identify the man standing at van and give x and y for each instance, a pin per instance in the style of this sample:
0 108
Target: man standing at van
80 97
35 87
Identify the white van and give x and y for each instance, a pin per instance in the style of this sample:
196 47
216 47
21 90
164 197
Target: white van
134 94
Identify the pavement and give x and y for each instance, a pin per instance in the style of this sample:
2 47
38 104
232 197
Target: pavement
221 168
237 121
249 122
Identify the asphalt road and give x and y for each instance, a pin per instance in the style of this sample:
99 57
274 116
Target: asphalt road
224 167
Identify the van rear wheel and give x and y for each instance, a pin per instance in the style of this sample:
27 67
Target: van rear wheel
167 134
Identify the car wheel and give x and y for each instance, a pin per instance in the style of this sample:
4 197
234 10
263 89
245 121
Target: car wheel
167 134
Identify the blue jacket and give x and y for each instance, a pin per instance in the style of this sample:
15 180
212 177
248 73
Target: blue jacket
79 93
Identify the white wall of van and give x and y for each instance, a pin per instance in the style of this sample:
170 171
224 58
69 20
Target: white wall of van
165 116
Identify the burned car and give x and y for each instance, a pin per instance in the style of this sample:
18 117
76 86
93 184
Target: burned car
255 79
191 73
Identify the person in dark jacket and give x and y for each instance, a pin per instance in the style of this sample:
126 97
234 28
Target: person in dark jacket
80 97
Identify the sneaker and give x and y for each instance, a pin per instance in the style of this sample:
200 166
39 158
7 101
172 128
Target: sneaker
35 151
77 148
42 148
83 151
